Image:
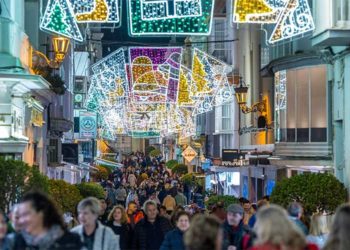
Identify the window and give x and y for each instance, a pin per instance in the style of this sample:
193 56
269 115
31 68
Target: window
341 11
220 49
301 105
53 151
226 141
226 117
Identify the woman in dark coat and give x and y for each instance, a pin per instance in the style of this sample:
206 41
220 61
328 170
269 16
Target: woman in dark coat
174 239
43 226
118 222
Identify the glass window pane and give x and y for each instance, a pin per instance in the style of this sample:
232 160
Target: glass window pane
302 88
318 104
290 116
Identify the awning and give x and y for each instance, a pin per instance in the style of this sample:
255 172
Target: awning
109 163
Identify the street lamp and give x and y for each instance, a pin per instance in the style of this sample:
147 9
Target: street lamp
241 96
60 49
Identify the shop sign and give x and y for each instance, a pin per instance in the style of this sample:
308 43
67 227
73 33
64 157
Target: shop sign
189 154
37 118
87 125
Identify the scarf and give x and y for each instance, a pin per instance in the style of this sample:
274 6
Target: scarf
46 241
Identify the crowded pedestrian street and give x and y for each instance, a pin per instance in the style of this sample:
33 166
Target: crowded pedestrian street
174 124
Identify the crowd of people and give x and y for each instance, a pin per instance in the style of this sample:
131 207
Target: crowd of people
147 207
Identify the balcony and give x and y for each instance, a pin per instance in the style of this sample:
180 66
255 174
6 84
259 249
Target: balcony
60 124
303 149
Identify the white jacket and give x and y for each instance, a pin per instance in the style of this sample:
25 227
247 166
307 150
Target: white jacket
105 239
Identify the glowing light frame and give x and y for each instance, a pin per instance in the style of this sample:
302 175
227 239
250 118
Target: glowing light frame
161 64
292 18
170 25
113 9
214 74
73 31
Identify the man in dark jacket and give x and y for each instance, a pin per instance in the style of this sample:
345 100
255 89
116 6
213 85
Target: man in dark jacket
233 228
150 231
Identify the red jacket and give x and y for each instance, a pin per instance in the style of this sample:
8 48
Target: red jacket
271 247
137 217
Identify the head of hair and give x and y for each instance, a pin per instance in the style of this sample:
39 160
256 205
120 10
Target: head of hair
90 203
124 218
318 225
149 203
339 235
203 233
266 198
294 209
274 227
40 202
181 213
132 202
262 203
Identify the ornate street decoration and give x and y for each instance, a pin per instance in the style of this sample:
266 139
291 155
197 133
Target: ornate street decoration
152 94
59 19
291 18
96 11
170 17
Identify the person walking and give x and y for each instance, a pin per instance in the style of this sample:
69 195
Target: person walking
133 214
295 211
4 241
205 233
118 222
121 195
319 230
338 238
170 203
93 233
180 199
174 239
150 231
42 226
233 228
275 231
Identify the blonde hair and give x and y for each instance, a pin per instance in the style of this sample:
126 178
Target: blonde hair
339 235
124 218
203 233
274 227
319 224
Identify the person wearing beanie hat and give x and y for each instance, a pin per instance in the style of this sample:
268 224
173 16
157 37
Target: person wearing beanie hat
233 228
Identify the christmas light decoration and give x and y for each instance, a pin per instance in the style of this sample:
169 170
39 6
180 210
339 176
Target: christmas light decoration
59 19
281 90
169 17
155 74
296 19
186 90
154 95
291 18
97 11
209 82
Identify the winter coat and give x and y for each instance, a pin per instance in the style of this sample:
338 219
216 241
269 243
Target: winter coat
181 199
173 240
125 234
141 233
105 239
69 241
138 215
233 236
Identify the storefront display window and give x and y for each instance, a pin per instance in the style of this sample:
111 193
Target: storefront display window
301 105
